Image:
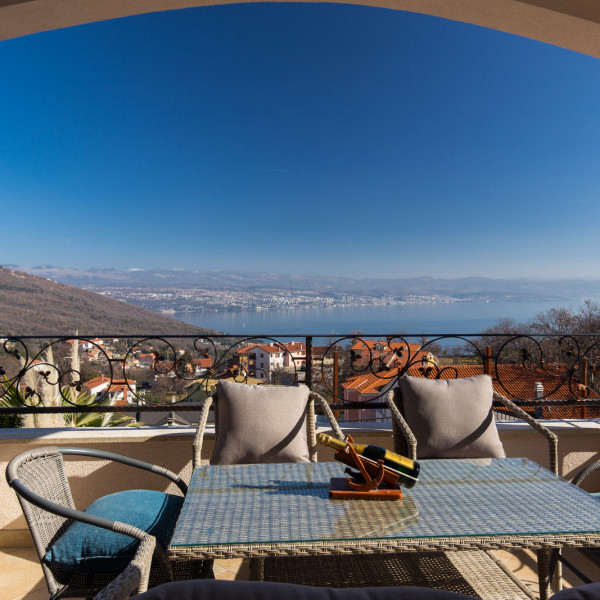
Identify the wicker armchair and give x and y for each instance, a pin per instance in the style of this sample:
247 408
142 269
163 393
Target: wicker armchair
59 529
406 443
260 566
592 554
213 402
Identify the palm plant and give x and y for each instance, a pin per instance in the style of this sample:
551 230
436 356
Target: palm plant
43 386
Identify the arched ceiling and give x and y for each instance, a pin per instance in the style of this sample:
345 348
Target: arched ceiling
572 24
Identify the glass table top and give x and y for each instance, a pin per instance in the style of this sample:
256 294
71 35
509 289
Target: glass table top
279 503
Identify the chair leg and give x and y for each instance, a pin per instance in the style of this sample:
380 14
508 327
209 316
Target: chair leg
556 575
208 570
543 556
257 568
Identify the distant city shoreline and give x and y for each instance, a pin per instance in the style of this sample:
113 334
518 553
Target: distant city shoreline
177 300
180 300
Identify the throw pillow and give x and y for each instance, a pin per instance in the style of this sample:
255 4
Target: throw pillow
260 424
451 418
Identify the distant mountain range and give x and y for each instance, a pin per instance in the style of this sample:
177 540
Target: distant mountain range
466 287
31 305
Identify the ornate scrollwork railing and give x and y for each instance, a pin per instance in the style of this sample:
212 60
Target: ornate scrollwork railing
157 372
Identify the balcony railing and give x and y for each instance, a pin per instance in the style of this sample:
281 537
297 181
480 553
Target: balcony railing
122 373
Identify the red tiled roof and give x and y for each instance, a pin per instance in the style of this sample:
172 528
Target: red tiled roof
320 350
203 362
369 383
570 412
265 347
295 347
92 383
365 345
121 386
516 381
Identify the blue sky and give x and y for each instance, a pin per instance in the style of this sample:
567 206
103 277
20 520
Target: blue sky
301 138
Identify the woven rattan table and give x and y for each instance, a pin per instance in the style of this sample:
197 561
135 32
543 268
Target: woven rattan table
284 509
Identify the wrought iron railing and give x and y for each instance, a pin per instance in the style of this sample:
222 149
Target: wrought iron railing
117 373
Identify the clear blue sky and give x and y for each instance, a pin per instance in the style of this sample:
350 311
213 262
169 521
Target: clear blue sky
300 138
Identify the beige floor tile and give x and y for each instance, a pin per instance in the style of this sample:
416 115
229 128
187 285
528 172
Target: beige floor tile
232 568
21 576
21 573
226 575
243 572
523 564
37 595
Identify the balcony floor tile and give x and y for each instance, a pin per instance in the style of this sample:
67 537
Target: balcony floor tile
22 577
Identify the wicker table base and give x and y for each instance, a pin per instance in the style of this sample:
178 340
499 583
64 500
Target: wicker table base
474 573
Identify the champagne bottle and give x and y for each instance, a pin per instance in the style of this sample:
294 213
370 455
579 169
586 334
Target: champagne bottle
407 469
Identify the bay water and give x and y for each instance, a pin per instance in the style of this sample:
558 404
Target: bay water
433 318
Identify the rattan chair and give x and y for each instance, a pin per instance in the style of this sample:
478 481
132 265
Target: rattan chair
39 479
134 579
405 442
592 554
213 402
260 566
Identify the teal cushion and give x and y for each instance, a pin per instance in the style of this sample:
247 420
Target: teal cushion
90 549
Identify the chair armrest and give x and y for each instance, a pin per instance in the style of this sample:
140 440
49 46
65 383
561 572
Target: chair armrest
134 579
131 462
329 414
199 437
401 427
551 437
72 513
578 479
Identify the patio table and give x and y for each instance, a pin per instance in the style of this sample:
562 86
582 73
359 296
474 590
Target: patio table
284 509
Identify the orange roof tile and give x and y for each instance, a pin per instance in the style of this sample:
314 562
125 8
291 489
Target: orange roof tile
265 347
203 362
369 383
92 383
514 381
295 347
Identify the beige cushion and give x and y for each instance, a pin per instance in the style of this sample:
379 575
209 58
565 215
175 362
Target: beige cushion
260 424
451 418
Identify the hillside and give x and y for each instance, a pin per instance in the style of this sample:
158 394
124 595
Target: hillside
519 289
31 305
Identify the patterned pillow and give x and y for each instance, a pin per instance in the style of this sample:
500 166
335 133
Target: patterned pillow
451 418
260 424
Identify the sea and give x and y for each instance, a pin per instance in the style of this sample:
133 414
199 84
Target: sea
418 319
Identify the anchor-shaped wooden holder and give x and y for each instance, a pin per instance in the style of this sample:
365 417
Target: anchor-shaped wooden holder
372 482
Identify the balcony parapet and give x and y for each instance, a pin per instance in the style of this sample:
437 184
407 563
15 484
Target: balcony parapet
171 447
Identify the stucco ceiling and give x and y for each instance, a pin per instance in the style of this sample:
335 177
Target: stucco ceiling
572 24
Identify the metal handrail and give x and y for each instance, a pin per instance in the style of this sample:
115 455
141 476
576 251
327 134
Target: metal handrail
567 362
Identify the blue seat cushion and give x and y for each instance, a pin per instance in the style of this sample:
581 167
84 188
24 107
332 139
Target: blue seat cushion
90 549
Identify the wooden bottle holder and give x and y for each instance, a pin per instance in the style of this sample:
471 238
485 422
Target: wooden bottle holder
372 482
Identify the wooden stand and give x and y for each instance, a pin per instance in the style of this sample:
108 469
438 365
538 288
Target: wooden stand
372 482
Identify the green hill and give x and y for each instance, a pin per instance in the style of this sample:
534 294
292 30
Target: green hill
31 305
